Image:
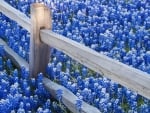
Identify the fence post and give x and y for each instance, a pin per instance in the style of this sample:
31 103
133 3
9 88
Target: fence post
39 52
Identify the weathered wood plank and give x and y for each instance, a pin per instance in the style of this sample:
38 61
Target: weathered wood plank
129 77
15 15
68 98
39 52
17 60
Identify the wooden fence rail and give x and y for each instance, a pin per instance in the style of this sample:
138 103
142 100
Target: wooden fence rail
127 76
17 60
15 15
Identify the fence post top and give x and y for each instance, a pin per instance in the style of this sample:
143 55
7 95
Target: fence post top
38 5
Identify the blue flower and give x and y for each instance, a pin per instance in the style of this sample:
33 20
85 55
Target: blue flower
59 94
78 104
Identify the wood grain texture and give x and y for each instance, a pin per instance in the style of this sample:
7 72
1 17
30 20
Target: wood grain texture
15 15
39 52
68 98
129 77
16 59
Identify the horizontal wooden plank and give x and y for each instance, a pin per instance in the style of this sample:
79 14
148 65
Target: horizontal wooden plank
129 77
17 60
68 98
15 15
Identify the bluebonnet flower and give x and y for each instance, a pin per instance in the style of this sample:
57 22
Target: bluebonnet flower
2 51
21 108
78 104
1 64
59 94
47 104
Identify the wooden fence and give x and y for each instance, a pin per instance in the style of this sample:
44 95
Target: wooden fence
42 38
